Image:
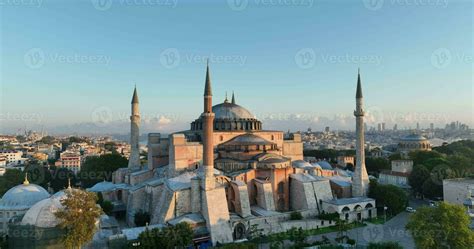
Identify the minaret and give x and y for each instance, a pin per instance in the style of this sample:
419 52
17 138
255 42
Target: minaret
134 160
207 136
360 180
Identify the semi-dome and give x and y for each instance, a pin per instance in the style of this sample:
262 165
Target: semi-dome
228 110
23 196
248 139
42 213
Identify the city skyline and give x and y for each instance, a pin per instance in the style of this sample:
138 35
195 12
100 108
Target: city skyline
306 72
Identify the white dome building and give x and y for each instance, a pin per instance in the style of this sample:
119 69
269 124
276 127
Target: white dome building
17 200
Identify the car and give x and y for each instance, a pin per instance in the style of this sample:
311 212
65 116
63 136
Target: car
410 210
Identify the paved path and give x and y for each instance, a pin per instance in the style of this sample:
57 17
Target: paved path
392 230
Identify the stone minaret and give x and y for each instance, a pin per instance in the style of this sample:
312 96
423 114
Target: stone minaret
208 181
360 180
134 160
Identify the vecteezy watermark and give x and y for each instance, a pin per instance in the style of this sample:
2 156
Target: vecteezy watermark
378 4
172 57
443 57
101 116
104 5
26 117
36 58
306 58
33 3
373 233
239 5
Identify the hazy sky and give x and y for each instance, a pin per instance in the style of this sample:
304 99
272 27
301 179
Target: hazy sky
293 63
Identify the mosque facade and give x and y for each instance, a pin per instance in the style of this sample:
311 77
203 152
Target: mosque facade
227 173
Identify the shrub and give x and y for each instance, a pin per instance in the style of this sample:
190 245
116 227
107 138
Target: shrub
296 216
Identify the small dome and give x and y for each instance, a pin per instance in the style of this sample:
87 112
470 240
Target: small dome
325 165
42 213
301 164
23 196
102 187
414 137
231 111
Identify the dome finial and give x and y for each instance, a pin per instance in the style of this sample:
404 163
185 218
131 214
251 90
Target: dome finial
26 182
226 100
69 183
233 98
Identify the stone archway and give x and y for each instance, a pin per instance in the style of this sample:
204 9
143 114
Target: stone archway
240 232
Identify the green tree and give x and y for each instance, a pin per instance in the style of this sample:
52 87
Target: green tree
141 218
10 179
107 207
417 177
445 226
78 217
377 164
97 169
60 178
393 197
179 236
297 236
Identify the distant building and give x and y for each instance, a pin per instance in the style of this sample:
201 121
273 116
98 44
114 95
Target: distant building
413 142
70 160
13 157
398 176
3 164
344 160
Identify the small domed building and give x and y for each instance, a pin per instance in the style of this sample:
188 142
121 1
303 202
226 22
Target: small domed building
17 200
413 142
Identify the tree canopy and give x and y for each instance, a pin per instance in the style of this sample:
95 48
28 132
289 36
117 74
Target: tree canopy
179 236
445 226
391 196
97 169
78 217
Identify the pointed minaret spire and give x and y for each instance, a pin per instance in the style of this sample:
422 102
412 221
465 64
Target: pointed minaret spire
134 159
207 88
233 98
135 96
359 86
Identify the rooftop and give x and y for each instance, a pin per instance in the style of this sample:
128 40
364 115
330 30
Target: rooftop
347 201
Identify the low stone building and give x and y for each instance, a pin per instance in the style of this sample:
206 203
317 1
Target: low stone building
398 176
352 209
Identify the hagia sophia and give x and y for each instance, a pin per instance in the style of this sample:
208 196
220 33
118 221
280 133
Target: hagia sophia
223 176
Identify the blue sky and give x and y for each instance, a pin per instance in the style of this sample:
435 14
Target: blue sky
292 63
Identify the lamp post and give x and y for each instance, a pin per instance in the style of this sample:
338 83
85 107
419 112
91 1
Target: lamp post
385 213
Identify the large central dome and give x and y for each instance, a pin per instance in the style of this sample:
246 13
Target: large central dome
228 110
230 117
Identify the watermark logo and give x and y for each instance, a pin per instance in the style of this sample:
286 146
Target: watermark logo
34 58
373 233
101 116
34 3
170 58
441 58
305 58
238 5
102 5
373 4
